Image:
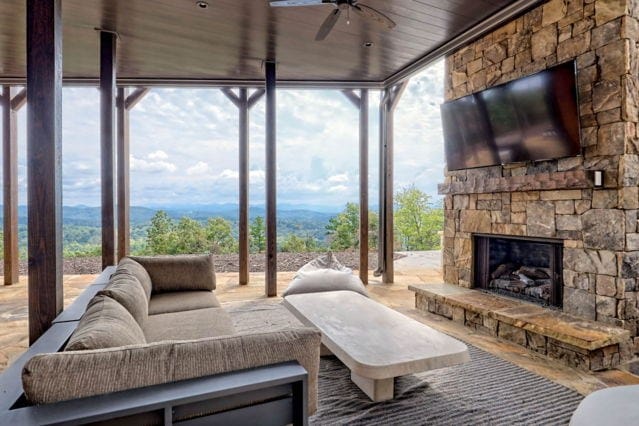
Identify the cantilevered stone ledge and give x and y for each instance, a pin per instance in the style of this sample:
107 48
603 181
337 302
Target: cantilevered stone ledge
574 179
576 342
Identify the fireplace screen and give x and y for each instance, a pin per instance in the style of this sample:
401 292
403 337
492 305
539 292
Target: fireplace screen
528 269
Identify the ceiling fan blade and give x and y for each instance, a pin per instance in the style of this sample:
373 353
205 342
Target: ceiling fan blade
295 3
374 14
328 25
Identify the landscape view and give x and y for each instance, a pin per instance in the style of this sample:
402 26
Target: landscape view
184 178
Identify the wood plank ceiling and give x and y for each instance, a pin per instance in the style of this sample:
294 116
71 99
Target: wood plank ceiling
175 39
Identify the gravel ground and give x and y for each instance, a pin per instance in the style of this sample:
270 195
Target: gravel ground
226 262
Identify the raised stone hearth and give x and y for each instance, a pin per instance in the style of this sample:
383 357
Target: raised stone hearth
556 199
579 343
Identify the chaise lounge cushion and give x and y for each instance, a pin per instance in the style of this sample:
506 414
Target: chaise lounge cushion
128 292
61 376
105 324
177 301
179 273
188 325
131 267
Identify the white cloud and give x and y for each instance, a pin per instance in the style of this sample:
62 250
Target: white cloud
340 178
198 169
338 188
142 165
229 174
158 155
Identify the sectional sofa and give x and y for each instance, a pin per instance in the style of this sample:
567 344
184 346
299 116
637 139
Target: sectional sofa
157 323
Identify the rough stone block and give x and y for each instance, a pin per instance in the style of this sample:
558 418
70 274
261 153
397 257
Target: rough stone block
565 207
568 222
544 42
629 197
565 194
605 199
553 11
581 206
610 9
591 261
606 306
536 342
606 95
630 264
614 59
611 139
632 242
573 47
580 303
604 229
475 221
512 334
606 285
606 33
540 220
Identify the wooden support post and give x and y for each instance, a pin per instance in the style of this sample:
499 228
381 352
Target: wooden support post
361 103
107 144
125 102
12 101
44 168
390 99
123 181
244 104
271 181
363 186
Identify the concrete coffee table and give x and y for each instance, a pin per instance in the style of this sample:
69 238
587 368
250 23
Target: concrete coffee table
375 342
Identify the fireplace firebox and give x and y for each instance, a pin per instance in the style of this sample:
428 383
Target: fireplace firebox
524 268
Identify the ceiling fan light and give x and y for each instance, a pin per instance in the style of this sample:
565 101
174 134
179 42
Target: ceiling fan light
202 4
368 44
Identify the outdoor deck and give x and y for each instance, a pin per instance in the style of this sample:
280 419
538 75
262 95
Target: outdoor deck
409 271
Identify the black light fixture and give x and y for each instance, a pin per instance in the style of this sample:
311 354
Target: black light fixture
368 44
202 4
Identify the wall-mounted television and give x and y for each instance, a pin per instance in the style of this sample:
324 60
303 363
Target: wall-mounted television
529 119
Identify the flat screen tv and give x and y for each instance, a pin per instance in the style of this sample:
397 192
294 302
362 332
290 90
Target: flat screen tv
530 119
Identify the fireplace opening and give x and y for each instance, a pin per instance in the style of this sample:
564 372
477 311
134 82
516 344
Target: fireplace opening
523 268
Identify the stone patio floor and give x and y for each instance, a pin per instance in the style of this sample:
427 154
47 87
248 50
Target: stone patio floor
14 331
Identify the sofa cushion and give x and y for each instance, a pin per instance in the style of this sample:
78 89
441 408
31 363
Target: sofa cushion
176 301
324 280
188 325
130 266
128 292
179 273
60 376
105 324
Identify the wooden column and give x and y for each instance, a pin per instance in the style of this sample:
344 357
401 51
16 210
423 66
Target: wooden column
390 99
125 103
361 103
44 168
244 103
12 100
107 144
122 171
271 182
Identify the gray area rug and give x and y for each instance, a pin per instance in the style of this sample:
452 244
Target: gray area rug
485 391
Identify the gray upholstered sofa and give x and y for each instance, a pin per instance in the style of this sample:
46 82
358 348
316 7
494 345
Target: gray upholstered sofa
157 321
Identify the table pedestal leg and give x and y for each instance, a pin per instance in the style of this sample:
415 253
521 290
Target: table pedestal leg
377 390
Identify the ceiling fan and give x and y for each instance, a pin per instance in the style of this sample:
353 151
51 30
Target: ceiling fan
339 5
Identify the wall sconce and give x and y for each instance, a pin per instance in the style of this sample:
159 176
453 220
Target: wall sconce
598 178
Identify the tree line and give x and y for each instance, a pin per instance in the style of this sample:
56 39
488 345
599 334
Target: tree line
417 223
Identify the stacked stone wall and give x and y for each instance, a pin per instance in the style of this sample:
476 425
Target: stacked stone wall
598 226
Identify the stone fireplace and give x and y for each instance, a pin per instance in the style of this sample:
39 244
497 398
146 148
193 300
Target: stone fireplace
529 269
594 229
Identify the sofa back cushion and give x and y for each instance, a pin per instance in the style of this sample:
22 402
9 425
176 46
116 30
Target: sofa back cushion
128 292
105 324
131 267
179 273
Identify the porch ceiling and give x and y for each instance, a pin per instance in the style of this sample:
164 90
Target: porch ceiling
176 40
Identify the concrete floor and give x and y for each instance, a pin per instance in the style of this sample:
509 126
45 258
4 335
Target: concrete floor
421 268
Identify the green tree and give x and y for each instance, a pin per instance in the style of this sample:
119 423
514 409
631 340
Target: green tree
190 237
257 235
417 222
343 229
219 233
295 244
160 235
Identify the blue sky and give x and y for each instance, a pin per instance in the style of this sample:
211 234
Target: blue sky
184 146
